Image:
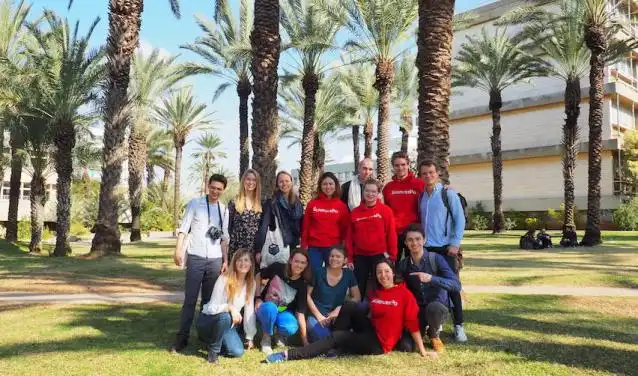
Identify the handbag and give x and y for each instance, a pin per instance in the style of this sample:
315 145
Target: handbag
274 249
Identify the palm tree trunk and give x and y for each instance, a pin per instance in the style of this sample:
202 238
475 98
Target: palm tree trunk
570 147
3 161
165 180
406 129
64 143
318 158
150 174
38 199
136 166
206 175
356 153
124 31
434 61
243 90
176 188
595 39
383 83
367 135
266 47
496 103
404 139
17 143
310 84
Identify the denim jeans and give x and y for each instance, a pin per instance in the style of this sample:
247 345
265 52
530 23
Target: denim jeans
269 318
319 256
217 332
316 331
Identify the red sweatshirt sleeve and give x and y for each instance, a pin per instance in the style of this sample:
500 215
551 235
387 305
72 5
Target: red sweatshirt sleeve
391 233
305 225
344 222
410 312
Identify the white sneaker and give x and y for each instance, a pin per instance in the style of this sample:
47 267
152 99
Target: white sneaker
266 346
459 334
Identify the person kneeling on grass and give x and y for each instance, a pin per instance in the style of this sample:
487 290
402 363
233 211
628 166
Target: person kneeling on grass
393 309
331 286
429 278
233 291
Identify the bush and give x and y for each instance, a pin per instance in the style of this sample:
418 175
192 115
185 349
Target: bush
480 223
626 216
24 229
509 224
47 234
532 223
78 229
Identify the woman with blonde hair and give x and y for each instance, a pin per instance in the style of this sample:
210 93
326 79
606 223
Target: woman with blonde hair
245 213
234 291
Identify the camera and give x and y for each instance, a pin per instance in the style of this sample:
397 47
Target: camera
273 249
214 233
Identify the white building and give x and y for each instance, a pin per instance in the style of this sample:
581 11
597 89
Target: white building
24 206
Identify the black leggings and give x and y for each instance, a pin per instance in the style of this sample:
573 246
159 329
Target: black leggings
363 268
455 297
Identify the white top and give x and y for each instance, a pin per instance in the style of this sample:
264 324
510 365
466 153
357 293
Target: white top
219 303
196 222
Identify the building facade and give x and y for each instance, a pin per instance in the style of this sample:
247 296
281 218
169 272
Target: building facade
24 205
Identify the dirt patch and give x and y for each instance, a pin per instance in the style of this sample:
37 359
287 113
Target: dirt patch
63 286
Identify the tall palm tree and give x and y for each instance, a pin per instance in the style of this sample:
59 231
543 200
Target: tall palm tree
406 94
151 77
208 152
225 46
16 142
434 63
159 144
181 115
72 75
125 18
310 35
266 46
492 64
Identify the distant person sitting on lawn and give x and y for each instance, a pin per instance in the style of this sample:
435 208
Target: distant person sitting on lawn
569 239
429 278
545 239
234 291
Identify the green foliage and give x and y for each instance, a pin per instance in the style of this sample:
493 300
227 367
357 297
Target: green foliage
157 209
532 223
626 216
78 229
480 223
84 201
47 234
24 229
509 224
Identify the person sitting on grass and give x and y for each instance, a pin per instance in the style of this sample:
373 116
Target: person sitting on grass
393 309
429 278
331 286
218 321
282 303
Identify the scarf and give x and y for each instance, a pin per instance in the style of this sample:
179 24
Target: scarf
354 193
295 212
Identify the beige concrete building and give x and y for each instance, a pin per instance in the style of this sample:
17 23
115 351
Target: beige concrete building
24 205
532 117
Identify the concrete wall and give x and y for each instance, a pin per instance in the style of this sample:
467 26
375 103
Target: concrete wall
24 206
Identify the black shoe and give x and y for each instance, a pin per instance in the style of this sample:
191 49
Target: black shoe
179 345
212 357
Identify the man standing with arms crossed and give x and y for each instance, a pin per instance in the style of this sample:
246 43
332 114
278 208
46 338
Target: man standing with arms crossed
443 230
352 191
206 223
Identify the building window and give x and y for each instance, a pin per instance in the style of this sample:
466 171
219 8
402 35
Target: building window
5 190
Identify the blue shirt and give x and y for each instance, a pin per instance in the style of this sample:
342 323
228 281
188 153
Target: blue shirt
326 297
433 215
196 223
443 281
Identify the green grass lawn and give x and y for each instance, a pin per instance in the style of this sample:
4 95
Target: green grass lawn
508 335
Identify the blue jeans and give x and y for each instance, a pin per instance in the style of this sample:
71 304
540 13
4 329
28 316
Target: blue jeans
316 331
319 255
217 332
269 318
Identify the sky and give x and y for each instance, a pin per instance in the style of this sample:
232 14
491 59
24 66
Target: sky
160 29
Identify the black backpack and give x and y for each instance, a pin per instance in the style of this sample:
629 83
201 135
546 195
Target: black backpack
446 203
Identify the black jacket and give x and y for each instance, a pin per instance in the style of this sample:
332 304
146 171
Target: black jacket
290 227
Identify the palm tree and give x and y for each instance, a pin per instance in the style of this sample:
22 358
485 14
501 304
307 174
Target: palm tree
379 28
208 152
357 86
406 94
492 64
311 34
159 144
16 142
151 77
226 48
266 46
72 75
125 17
181 115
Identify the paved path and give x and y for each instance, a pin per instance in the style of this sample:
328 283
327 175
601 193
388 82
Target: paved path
176 296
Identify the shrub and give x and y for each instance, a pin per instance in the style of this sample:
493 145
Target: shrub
509 224
47 234
532 223
480 223
78 229
24 229
626 216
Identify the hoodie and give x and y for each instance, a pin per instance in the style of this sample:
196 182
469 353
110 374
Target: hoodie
371 232
403 197
325 223
392 311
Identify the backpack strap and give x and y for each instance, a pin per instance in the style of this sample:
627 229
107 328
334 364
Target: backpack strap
446 203
433 265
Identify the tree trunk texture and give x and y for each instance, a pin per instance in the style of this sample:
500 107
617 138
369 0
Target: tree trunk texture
383 83
176 188
496 102
596 42
123 38
38 199
136 166
318 159
3 160
310 84
165 181
150 174
243 90
406 129
570 148
64 142
266 47
434 62
356 153
368 129
17 143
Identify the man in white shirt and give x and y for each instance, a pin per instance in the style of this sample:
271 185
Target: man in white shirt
206 223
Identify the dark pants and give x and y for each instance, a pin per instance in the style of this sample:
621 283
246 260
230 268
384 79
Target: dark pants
363 268
455 297
433 316
219 334
402 250
201 274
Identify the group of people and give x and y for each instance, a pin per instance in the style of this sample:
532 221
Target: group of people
363 269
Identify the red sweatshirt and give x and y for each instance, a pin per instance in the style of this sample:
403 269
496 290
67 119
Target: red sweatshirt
391 311
325 222
403 197
371 232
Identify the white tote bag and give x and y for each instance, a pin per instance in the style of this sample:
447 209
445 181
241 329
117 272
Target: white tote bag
274 250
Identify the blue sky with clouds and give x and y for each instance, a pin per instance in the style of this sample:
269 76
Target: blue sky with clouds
161 30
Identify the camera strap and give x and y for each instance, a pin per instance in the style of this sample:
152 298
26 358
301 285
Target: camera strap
219 211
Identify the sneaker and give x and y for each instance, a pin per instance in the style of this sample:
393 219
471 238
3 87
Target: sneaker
276 358
179 345
266 347
212 357
332 354
459 334
438 345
